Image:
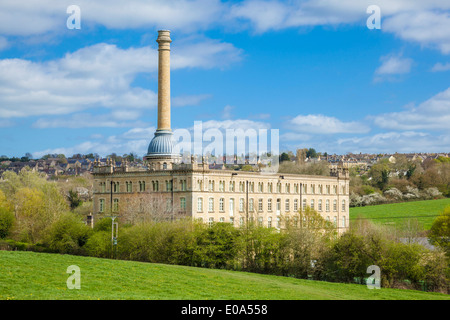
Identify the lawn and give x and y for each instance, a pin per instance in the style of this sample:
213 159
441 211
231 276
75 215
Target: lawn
30 275
397 213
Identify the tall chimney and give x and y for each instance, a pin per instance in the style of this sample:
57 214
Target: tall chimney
164 80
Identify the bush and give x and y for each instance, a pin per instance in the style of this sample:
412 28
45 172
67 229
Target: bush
6 222
68 234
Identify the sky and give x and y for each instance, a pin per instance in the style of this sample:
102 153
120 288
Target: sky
313 70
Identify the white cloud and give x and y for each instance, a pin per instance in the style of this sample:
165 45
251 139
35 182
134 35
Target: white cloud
98 76
43 16
433 114
428 28
390 142
441 67
320 124
394 64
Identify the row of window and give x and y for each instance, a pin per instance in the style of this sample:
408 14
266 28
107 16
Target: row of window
142 187
261 187
243 186
260 221
260 205
115 204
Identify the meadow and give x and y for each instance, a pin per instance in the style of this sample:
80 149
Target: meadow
395 214
43 276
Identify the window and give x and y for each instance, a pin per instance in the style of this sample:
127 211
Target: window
269 222
164 166
241 187
129 186
168 185
269 205
221 219
115 186
260 221
183 204
304 204
319 206
241 204
320 189
327 205
260 205
115 205
231 186
231 207
200 205
343 221
102 205
335 221
183 185
295 205
312 204
288 188
141 186
343 205
286 205
278 187
334 205
313 189
211 185
211 221
211 204
250 204
155 185
102 187
221 204
252 187
200 185
260 187
295 188
270 187
221 186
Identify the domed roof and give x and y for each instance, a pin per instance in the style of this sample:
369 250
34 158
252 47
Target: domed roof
161 144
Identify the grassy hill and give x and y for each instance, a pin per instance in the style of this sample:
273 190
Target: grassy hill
396 213
29 275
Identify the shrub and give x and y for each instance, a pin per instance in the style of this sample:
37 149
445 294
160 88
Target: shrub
6 222
68 234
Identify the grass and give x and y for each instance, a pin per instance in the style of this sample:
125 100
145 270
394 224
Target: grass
397 213
30 275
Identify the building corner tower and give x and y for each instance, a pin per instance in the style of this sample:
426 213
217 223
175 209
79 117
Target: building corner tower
160 151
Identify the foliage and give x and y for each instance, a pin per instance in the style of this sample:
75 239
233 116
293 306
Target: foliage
440 230
68 234
74 200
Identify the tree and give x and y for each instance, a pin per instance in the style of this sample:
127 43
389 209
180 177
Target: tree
440 231
284 157
311 153
74 200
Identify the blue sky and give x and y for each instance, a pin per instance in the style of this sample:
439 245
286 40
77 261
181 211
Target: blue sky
311 69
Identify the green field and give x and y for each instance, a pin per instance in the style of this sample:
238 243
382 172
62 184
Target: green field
396 214
30 275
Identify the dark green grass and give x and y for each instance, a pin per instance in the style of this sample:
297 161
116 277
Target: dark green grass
29 275
396 214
